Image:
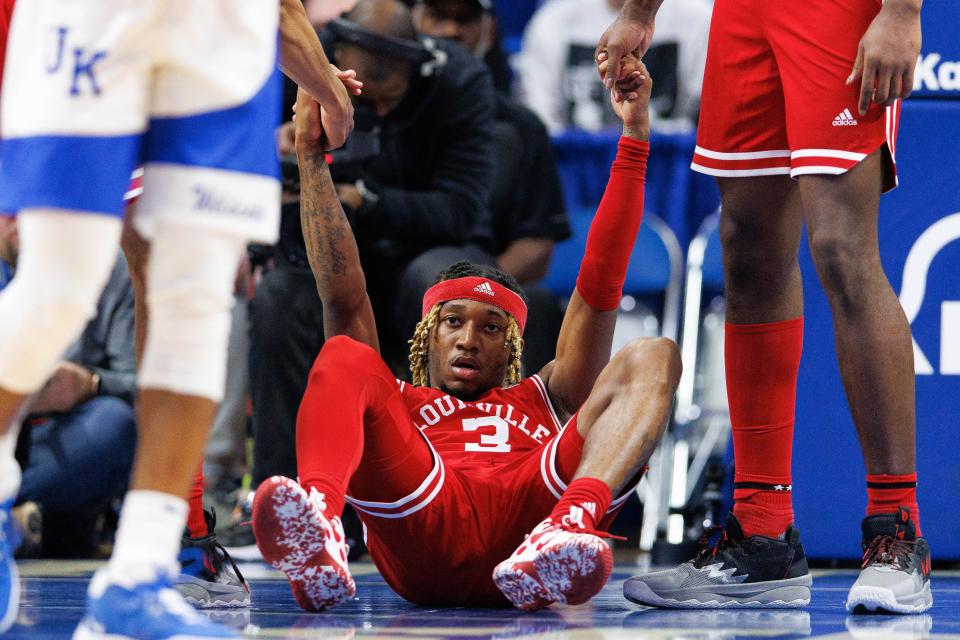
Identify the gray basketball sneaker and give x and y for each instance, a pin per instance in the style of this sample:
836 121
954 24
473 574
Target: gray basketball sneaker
735 572
896 567
208 575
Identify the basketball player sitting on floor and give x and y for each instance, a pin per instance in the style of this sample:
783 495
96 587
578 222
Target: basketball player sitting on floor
449 473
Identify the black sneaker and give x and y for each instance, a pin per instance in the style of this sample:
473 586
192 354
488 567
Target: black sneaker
895 575
208 575
734 572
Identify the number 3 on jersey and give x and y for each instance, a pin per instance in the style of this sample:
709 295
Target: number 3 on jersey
496 442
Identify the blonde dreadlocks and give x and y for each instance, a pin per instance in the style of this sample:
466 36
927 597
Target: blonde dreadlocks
420 346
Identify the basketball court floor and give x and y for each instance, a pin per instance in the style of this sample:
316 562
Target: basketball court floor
53 598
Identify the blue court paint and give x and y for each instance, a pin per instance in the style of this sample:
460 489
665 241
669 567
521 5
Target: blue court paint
52 605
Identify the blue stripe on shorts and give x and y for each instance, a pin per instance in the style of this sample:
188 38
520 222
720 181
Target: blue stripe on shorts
236 139
67 172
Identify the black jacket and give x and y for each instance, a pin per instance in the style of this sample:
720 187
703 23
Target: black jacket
434 172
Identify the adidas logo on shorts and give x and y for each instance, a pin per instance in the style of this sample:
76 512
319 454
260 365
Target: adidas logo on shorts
484 287
844 119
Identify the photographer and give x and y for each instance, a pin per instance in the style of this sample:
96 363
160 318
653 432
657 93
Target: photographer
414 177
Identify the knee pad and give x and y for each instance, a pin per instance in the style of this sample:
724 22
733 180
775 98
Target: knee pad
65 261
189 294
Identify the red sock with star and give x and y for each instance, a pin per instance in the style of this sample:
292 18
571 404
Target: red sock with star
886 493
762 363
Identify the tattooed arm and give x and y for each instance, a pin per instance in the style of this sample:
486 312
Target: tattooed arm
331 247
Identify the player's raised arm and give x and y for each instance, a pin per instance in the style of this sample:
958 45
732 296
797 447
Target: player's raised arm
303 59
586 336
331 247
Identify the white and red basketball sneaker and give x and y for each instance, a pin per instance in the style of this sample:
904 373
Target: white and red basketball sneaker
295 537
555 563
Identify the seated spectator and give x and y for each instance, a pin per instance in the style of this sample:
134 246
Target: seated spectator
558 75
473 25
77 443
527 202
415 175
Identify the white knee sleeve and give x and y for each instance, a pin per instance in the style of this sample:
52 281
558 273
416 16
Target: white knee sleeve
190 293
65 260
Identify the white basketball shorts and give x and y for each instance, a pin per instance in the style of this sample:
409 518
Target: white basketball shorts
187 88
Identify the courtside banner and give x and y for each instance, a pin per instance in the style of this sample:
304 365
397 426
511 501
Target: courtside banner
938 68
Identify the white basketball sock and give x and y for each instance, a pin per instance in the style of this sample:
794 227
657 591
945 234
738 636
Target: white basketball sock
148 538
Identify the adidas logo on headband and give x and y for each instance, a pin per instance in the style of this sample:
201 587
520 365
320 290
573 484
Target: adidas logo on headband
484 287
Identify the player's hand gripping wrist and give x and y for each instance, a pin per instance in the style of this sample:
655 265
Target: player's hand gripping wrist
631 96
309 135
630 33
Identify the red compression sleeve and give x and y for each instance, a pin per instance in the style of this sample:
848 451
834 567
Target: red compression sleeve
614 229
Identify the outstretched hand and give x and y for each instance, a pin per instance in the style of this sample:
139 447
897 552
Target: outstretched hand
337 116
630 96
286 132
625 36
309 138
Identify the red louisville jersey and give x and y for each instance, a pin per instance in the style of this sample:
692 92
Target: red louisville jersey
489 432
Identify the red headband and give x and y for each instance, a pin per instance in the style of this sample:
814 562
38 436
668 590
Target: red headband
480 290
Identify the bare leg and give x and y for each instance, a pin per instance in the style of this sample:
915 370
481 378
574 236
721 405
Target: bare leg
10 406
621 422
760 232
173 431
171 425
625 415
180 375
872 332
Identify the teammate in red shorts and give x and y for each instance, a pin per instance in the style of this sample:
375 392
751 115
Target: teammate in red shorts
449 473
801 105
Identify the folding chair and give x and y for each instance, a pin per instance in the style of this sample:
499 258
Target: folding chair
701 425
654 275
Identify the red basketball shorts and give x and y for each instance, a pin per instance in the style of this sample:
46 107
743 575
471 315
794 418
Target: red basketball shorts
438 544
774 97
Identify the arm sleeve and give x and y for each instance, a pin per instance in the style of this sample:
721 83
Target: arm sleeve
457 198
614 229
